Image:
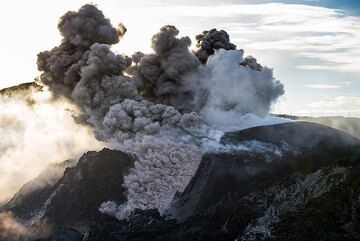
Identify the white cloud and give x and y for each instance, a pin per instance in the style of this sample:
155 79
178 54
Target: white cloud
324 36
323 86
337 103
326 39
345 82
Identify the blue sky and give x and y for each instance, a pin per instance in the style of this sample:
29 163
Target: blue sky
313 46
351 6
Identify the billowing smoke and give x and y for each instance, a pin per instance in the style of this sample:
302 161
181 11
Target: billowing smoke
88 26
162 106
130 119
102 82
209 41
162 71
80 30
162 168
227 89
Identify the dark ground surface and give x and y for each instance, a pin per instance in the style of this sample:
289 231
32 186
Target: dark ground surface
74 200
301 183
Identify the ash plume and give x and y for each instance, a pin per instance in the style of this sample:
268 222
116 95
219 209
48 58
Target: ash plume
252 63
159 106
130 118
209 41
136 57
80 30
102 82
162 71
163 167
88 26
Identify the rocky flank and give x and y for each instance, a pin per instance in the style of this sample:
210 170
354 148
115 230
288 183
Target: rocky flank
74 200
268 154
292 181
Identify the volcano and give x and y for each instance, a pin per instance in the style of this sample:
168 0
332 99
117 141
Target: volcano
169 168
298 174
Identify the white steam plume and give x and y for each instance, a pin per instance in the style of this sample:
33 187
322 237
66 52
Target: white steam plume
232 89
34 135
12 229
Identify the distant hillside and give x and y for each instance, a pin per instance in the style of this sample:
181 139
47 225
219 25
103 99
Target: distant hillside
21 92
350 125
21 88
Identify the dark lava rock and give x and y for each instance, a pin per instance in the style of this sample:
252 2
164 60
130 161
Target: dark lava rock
74 200
141 225
37 187
281 150
293 181
323 205
335 215
302 135
302 183
66 234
